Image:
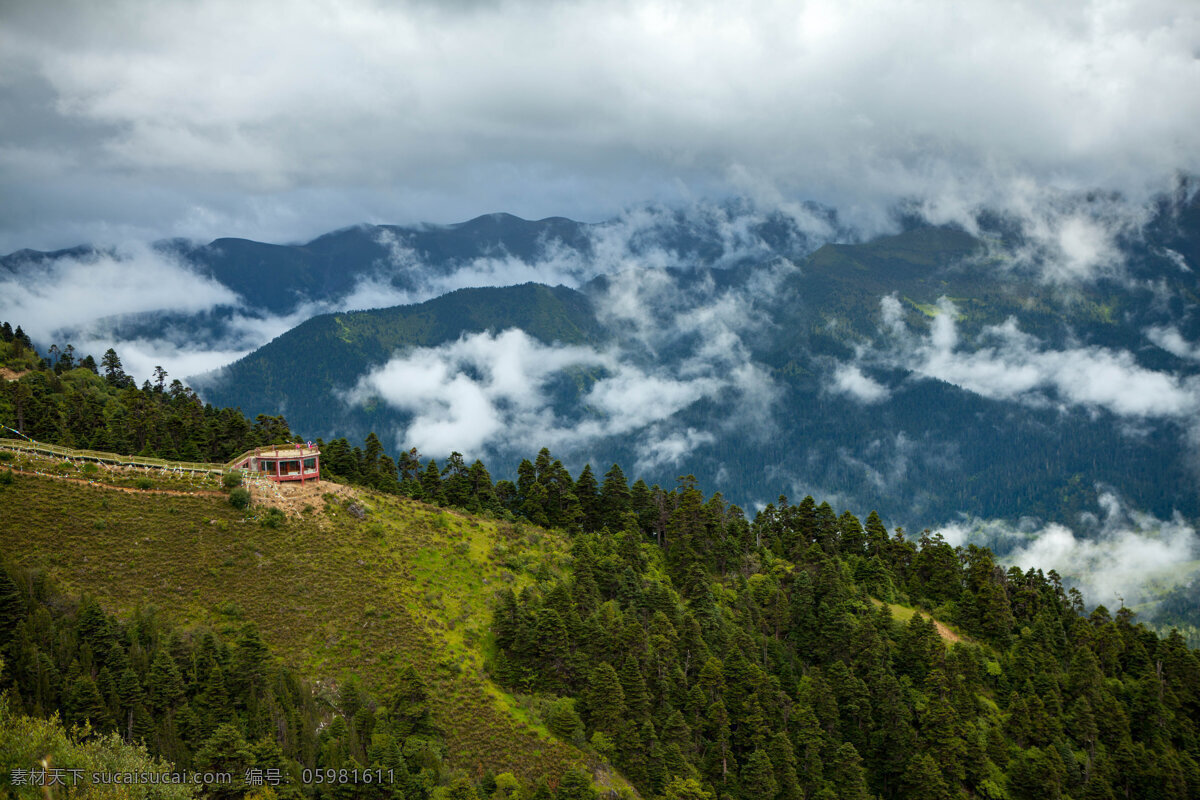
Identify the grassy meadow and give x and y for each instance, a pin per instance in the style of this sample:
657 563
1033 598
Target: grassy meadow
334 593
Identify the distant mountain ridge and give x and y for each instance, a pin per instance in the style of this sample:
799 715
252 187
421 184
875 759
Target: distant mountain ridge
694 309
277 278
931 447
303 370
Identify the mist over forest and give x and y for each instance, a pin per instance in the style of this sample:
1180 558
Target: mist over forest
702 362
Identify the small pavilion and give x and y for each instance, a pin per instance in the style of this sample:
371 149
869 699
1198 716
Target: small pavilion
284 463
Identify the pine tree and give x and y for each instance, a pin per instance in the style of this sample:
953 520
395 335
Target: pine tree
718 733
588 494
614 500
853 539
113 372
680 788
846 774
165 685
877 535
12 607
604 700
456 485
575 785
250 660
642 499
134 722
84 704
212 704
758 777
431 484
564 722
923 780
783 759
226 750
483 495
409 705
633 686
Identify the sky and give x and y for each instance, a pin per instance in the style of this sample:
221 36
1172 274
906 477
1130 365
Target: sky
129 121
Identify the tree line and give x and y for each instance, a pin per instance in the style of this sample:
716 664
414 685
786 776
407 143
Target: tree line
62 399
205 703
763 659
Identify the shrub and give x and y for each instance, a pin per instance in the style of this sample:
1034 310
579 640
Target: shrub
90 469
6 455
6 478
232 480
144 483
273 518
239 498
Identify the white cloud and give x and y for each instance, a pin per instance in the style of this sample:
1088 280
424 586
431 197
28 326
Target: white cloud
705 328
849 380
1170 339
90 301
657 451
1120 555
634 399
58 302
893 313
636 239
1177 259
139 357
469 393
70 291
75 300
277 122
492 390
1013 366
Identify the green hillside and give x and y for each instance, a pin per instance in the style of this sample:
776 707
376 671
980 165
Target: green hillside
301 370
333 594
658 633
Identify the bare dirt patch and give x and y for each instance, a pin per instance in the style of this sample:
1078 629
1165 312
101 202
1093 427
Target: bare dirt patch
292 498
9 375
946 633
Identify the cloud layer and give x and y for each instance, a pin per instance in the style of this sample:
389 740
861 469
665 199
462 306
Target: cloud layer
503 391
63 301
489 391
202 325
1009 364
278 122
1117 556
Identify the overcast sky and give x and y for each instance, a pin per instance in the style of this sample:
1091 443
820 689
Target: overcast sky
123 121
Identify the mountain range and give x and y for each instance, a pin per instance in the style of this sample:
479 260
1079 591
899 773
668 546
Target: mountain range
1034 372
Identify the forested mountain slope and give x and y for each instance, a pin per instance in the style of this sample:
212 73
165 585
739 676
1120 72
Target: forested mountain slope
659 632
923 372
303 371
1001 369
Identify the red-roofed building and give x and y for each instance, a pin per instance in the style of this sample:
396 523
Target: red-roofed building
284 463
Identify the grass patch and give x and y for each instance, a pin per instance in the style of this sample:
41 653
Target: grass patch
334 594
949 633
